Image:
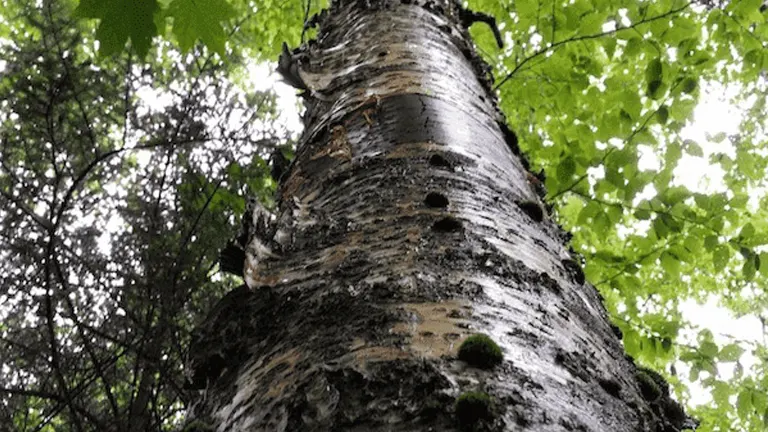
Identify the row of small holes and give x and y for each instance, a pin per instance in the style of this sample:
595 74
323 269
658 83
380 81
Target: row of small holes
438 200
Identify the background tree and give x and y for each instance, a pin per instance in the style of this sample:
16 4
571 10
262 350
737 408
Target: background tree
114 201
589 86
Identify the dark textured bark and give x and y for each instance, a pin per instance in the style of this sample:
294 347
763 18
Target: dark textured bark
413 226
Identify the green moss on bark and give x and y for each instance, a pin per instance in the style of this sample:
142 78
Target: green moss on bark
480 351
473 408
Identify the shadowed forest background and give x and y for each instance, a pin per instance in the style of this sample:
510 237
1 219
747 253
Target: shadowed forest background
131 137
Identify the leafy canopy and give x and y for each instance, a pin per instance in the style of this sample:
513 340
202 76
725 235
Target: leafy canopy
213 22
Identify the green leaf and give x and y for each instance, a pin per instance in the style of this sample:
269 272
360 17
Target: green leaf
591 23
711 242
759 401
634 46
718 137
720 257
702 200
693 148
654 71
602 222
121 20
681 110
632 105
730 353
747 231
693 375
688 85
642 214
673 154
693 244
588 212
566 169
708 349
744 403
660 228
655 89
609 44
526 8
193 19
671 264
674 195
681 252
681 29
234 170
739 201
673 224
749 269
662 114
721 392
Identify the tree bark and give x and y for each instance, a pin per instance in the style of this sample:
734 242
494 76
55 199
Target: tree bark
408 224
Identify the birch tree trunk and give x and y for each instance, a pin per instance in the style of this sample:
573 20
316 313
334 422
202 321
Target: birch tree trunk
411 227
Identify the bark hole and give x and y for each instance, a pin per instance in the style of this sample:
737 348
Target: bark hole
436 200
447 224
532 209
574 269
439 162
610 386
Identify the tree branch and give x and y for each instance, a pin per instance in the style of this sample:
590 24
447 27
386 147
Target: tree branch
556 45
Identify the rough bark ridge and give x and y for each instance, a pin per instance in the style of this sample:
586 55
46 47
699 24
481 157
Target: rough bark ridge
411 227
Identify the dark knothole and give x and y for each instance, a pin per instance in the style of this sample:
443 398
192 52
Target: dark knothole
436 200
510 137
232 259
473 407
447 224
440 162
536 184
575 270
481 351
532 209
610 386
382 53
617 331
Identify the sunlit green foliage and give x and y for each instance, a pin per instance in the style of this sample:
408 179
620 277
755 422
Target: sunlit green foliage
257 27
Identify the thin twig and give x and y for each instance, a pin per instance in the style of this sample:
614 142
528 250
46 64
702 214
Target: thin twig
556 45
